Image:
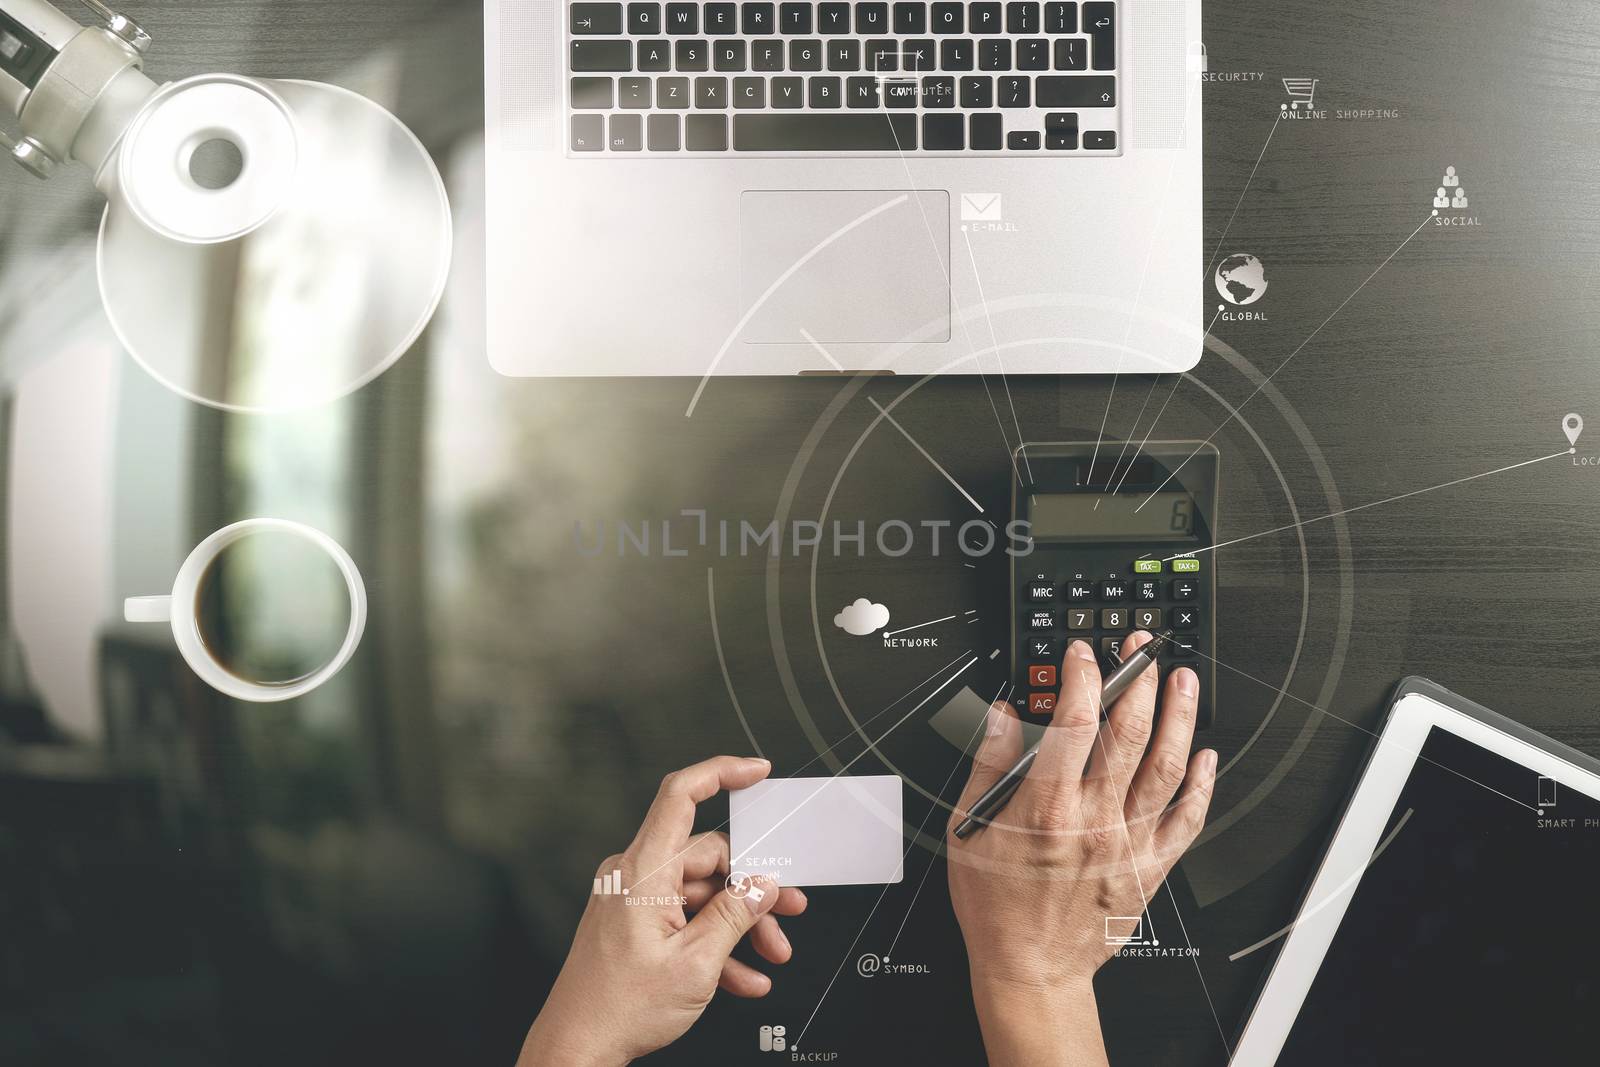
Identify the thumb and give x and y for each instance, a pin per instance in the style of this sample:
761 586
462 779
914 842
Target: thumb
730 915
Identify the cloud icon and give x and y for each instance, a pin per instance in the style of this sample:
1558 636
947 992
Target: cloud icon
862 617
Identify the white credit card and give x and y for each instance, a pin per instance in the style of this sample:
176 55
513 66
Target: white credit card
819 831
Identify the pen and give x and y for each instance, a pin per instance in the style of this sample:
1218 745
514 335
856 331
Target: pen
995 797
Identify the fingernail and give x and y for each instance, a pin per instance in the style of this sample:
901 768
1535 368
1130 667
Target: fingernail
760 886
1082 650
1208 761
758 761
1188 682
996 722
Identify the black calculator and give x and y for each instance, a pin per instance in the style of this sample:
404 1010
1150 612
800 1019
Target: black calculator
1118 544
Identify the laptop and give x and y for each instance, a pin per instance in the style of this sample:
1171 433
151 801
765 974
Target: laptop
914 186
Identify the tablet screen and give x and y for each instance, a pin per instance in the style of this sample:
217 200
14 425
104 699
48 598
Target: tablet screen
1474 936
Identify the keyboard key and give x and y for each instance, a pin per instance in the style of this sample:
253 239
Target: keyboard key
766 55
672 93
1060 18
917 54
977 92
588 133
844 55
1111 648
805 55
1033 54
757 19
1100 23
984 132
710 92
1040 592
1022 18
1113 591
1040 648
794 18
586 19
591 94
750 92
1114 618
1061 132
911 17
706 133
949 18
994 55
690 55
788 93
683 18
1036 620
822 92
1141 566
1079 618
900 93
728 55
944 133
1013 92
939 93
1183 646
1041 703
722 18
1186 566
872 18
661 133
984 18
626 133
1072 53
1184 589
1147 618
833 19
1147 590
644 19
955 55
1082 92
883 55
1079 591
861 92
1100 141
843 131
1184 617
601 55
1042 675
655 56
633 93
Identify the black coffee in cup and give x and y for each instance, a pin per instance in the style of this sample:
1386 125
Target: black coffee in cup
273 608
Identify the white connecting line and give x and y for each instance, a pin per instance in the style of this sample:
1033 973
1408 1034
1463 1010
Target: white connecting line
914 444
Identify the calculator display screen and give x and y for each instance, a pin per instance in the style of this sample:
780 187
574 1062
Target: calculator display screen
1074 517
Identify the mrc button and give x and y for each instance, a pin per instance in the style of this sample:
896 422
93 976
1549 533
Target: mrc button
1041 592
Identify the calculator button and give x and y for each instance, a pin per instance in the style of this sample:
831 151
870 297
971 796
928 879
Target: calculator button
1146 618
1185 617
1080 591
1147 591
1042 620
1111 648
1114 618
1041 592
1185 566
1042 703
1113 591
1147 566
1080 618
1185 589
1183 646
1042 675
1040 648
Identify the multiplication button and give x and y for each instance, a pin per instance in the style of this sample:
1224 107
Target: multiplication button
1185 617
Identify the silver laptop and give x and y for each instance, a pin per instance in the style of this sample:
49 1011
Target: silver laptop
780 188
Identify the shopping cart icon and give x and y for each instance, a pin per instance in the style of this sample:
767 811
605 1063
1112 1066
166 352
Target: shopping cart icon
1301 91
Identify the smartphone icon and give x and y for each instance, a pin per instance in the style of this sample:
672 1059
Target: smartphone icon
1547 792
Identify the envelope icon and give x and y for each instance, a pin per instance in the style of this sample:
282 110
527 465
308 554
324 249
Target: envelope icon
980 207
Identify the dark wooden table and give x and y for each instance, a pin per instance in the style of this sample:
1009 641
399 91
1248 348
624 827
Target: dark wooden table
1386 365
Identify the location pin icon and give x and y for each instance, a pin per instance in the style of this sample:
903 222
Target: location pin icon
1572 426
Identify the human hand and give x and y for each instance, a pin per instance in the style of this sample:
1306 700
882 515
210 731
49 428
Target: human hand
640 971
1089 834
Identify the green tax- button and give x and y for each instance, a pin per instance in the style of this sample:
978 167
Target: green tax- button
1147 566
1185 566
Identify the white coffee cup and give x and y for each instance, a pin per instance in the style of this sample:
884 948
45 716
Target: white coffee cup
180 608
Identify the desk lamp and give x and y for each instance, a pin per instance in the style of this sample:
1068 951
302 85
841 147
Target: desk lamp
266 245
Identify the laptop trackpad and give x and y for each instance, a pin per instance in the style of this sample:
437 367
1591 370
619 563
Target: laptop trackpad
845 266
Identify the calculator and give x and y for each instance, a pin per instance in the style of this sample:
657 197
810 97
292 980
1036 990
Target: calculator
1117 546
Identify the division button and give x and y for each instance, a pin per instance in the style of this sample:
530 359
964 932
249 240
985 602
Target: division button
1185 589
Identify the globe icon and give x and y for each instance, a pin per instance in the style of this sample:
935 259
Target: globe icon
1241 279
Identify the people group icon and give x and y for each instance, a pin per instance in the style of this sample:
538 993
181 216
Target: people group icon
1444 198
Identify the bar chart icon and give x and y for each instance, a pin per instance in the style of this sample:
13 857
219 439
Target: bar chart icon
609 885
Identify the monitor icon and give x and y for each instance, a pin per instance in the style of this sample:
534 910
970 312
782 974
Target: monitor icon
1115 923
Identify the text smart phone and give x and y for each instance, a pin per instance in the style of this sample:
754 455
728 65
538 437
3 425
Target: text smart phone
1116 547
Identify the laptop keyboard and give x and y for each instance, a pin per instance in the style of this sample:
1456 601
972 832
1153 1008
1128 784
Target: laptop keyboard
904 76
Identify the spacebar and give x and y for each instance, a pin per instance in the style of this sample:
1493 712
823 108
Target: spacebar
813 132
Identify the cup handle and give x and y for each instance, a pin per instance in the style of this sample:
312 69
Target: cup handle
147 609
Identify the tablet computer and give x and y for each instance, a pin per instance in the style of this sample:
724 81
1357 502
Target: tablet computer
1453 919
